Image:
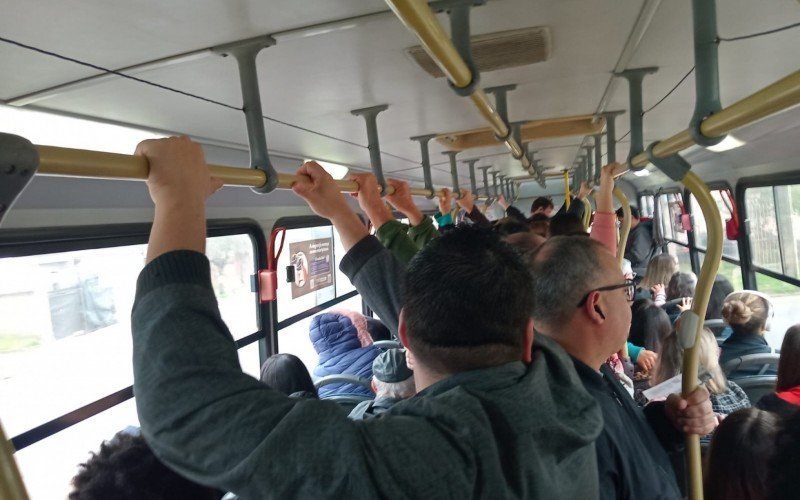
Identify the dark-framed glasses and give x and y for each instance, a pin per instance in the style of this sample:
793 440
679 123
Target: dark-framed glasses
629 285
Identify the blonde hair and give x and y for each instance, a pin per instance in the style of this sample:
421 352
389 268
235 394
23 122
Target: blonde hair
659 270
670 361
746 312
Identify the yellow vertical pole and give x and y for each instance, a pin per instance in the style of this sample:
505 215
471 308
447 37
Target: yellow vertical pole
567 197
693 324
11 485
587 213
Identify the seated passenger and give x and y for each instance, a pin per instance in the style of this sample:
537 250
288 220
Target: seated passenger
125 468
344 345
649 326
726 396
748 313
659 271
497 415
786 398
582 301
738 461
287 374
719 290
392 382
681 286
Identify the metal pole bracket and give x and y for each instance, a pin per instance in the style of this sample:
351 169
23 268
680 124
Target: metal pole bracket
674 166
485 171
501 103
458 11
373 145
706 75
611 134
426 162
472 182
454 172
245 52
635 77
19 160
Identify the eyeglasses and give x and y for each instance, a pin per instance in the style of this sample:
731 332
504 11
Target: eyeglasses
630 290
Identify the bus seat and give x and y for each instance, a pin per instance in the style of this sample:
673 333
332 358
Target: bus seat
385 345
346 401
757 386
765 360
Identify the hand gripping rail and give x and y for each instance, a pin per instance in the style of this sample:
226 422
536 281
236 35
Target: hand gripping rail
57 161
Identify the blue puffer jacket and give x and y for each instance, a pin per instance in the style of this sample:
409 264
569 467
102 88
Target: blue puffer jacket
335 339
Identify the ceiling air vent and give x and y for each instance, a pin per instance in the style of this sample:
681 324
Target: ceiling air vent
493 51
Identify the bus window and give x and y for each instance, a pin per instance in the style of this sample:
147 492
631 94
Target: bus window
314 254
729 247
646 203
65 343
773 232
773 221
681 253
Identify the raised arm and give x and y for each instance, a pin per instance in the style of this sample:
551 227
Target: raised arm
422 230
467 202
604 227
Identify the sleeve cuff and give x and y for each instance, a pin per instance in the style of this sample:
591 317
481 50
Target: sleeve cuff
359 254
185 267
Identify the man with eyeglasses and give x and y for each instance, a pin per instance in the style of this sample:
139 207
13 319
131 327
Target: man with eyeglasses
582 300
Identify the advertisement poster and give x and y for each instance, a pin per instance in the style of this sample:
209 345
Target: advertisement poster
313 265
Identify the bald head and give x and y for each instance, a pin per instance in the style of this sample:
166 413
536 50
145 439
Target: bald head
564 269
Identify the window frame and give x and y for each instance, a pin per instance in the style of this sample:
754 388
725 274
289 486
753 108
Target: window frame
36 241
749 269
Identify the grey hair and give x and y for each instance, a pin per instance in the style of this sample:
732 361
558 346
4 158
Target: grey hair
395 390
564 269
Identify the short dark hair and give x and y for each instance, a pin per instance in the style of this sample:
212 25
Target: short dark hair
126 469
649 325
634 213
789 364
286 374
541 202
508 226
719 290
566 224
468 298
564 269
738 462
681 285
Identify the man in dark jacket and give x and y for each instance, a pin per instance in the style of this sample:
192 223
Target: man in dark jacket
641 246
582 300
494 418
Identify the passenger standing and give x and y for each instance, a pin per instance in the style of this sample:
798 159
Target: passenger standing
659 271
786 398
495 418
640 247
392 382
582 301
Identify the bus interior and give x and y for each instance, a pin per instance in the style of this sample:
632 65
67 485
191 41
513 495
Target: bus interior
102 76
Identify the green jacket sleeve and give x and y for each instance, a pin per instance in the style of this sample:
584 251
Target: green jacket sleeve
423 233
393 235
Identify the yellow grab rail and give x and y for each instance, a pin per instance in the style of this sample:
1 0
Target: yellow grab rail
567 197
705 281
775 97
11 485
68 162
418 17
